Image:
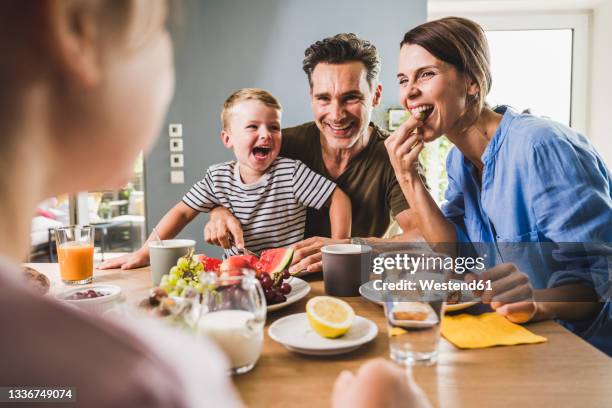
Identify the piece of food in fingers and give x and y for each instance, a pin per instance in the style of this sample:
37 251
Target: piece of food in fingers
421 112
417 131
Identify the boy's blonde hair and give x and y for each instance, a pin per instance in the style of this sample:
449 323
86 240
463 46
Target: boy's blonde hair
247 94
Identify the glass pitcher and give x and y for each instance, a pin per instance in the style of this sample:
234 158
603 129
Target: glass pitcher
233 315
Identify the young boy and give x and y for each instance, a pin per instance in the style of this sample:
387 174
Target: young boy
266 193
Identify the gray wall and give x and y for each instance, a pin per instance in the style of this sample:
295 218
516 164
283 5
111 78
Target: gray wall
225 45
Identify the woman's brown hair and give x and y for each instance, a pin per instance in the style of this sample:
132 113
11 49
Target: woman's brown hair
463 44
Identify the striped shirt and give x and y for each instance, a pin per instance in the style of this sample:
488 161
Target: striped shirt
272 211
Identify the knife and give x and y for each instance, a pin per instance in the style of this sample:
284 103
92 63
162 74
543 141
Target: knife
246 251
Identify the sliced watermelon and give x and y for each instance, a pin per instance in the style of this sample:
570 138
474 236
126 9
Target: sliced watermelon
276 260
210 264
251 259
238 262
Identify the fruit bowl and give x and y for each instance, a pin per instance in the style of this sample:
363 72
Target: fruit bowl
104 300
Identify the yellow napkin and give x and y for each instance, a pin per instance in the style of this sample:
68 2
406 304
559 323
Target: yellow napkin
486 330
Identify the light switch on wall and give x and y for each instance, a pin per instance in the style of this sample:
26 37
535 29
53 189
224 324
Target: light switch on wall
175 130
176 160
176 144
177 177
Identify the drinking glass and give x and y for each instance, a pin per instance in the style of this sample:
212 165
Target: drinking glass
414 315
414 342
75 253
233 315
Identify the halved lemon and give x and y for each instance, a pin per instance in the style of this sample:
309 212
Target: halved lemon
329 317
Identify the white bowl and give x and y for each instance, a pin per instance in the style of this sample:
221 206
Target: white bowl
98 304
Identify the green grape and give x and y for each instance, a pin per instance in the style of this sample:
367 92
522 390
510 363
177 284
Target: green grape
172 280
199 267
199 287
164 279
175 292
183 263
181 283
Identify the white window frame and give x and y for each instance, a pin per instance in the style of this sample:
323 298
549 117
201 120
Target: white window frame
579 22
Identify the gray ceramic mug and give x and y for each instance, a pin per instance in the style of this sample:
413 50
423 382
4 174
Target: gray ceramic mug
345 267
164 254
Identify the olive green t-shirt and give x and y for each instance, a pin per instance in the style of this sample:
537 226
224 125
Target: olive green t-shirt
369 181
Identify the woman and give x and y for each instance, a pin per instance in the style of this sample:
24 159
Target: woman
508 176
85 89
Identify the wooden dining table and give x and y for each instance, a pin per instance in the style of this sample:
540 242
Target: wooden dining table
565 371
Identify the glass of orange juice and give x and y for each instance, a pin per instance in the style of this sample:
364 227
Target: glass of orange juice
75 250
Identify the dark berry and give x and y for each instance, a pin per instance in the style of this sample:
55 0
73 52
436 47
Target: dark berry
266 282
285 288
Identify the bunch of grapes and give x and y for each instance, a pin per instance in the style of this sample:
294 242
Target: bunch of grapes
274 287
184 278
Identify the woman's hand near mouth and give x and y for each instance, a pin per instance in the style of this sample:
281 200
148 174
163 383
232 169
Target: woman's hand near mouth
403 147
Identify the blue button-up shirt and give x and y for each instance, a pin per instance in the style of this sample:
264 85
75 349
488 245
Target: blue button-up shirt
542 182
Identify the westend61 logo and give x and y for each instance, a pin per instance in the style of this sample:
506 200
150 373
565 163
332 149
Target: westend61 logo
411 263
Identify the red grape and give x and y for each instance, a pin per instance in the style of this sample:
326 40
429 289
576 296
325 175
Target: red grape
285 288
266 282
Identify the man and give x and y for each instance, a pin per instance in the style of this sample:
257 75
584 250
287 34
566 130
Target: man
341 144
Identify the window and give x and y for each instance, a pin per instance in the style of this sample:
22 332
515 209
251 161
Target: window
532 69
118 215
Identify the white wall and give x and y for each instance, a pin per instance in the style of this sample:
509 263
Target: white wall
600 106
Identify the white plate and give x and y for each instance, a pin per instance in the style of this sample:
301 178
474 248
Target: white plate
299 289
367 291
295 333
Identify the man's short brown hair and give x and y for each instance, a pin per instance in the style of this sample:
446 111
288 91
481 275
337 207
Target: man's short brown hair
341 48
247 94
